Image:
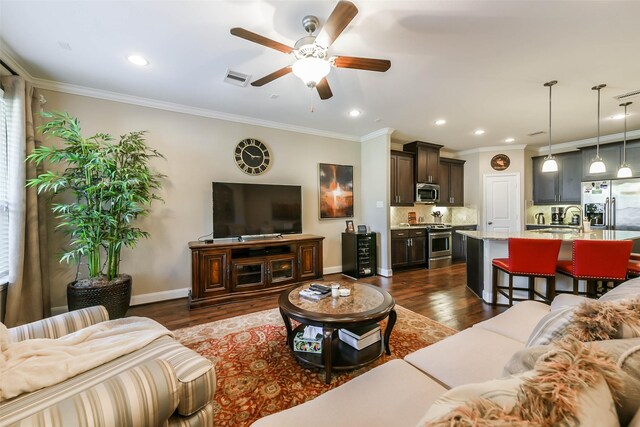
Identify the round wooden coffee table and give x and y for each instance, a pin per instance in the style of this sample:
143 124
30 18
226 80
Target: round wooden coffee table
367 304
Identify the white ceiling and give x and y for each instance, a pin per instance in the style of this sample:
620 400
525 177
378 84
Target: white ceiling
477 64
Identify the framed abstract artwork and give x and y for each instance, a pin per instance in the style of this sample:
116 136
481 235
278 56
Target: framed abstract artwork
336 191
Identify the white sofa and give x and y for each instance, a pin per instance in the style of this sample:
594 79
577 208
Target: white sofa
399 392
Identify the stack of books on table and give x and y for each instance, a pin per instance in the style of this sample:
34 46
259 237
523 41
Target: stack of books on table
361 336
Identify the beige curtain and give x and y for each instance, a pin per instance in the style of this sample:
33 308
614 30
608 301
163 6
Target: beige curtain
28 293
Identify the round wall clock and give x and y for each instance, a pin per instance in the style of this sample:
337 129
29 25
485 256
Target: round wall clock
500 162
252 156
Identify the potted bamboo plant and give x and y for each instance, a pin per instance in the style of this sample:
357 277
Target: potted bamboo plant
104 187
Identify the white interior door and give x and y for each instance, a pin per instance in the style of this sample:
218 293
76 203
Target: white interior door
502 202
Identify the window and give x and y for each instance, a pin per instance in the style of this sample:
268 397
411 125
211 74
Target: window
4 196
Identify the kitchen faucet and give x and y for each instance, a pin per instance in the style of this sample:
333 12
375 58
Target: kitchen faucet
574 207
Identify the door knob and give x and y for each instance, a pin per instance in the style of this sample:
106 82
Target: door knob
490 223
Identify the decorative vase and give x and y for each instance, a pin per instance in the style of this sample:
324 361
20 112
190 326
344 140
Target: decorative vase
115 295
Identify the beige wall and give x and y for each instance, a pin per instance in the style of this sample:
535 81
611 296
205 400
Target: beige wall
479 164
376 166
198 150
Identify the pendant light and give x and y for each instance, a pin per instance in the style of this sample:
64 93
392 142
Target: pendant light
625 170
597 165
550 164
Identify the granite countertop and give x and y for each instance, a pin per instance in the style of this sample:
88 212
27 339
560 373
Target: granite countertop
568 235
404 227
554 225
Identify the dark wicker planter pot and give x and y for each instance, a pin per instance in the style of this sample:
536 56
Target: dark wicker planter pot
114 296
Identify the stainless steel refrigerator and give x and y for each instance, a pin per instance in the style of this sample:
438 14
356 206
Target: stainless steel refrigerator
612 204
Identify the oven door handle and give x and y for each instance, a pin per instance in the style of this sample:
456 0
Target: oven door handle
442 234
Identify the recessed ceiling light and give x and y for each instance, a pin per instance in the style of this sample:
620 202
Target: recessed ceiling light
440 122
618 117
509 140
138 60
354 113
479 131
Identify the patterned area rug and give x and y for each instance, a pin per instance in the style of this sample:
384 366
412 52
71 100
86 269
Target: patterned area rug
258 375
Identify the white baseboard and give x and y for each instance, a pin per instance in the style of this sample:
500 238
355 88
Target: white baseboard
140 299
172 294
331 270
159 296
386 272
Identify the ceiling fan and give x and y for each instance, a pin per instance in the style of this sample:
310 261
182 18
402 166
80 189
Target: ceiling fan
312 62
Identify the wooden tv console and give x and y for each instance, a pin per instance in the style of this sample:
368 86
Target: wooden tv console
233 271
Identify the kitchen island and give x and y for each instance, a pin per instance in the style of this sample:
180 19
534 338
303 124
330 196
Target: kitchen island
484 246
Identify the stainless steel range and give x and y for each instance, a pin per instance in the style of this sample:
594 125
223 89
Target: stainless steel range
439 245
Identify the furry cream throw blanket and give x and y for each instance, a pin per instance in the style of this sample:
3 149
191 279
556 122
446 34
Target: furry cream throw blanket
30 365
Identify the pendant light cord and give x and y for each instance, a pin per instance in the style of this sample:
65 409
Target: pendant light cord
598 88
624 141
550 84
598 139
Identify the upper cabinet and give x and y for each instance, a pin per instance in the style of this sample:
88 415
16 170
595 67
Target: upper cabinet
451 180
611 155
558 187
402 183
427 161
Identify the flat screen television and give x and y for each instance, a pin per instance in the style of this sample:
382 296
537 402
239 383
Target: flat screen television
256 209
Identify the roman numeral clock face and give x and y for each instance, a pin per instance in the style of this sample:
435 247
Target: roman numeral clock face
252 156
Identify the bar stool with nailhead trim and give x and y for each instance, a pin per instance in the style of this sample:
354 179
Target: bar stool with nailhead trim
596 261
633 269
528 258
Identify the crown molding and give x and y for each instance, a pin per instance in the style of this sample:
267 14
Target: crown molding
8 56
492 148
377 133
184 109
574 145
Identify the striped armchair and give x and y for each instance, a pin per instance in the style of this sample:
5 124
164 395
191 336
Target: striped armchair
162 384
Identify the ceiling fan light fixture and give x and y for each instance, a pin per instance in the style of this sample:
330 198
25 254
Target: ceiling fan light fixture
311 70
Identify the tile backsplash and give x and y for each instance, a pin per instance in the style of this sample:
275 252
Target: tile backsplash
450 215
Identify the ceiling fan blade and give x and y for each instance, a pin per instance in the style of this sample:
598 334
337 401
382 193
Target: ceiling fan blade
323 89
257 38
369 64
271 77
343 13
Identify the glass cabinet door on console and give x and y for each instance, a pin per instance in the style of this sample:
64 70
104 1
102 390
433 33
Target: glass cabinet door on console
281 270
249 274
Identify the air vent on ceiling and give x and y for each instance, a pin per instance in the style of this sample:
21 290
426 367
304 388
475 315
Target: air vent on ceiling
628 95
540 132
236 78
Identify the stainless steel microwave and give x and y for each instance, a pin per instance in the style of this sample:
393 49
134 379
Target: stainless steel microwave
427 193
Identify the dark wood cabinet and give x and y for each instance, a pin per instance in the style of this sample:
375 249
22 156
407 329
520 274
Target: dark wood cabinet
402 180
309 260
451 180
427 161
459 242
213 266
633 156
408 247
231 271
558 187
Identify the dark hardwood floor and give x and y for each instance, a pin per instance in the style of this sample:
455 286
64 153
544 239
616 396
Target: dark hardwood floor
439 294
